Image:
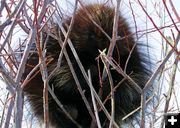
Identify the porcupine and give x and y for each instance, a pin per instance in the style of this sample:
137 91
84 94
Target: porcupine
88 40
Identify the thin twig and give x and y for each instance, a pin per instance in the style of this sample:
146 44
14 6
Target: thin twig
106 65
18 9
171 87
152 21
94 102
114 35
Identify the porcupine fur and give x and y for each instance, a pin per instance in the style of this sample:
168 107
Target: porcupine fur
87 40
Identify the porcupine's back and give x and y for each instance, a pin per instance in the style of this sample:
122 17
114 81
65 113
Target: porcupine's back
88 39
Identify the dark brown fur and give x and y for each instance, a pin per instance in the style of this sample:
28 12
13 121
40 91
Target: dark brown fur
87 40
